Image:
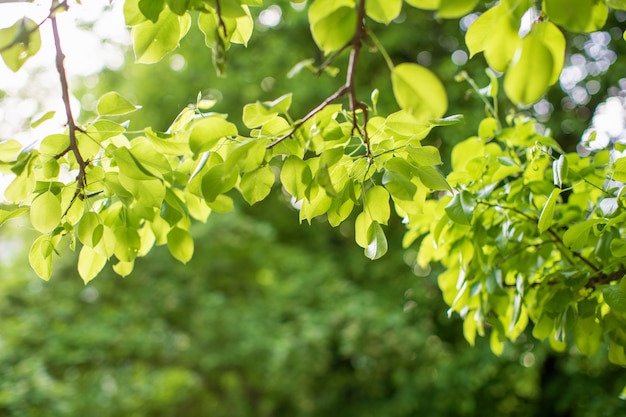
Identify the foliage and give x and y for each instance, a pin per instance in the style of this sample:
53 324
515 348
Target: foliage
269 321
524 235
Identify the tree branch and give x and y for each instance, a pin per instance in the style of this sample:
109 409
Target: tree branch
348 88
81 180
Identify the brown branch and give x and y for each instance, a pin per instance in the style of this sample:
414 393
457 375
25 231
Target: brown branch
220 20
348 88
81 180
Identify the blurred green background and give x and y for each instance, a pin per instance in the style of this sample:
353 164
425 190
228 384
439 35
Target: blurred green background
273 318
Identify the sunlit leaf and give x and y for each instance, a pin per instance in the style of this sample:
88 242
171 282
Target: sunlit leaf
180 244
46 212
90 263
419 91
113 104
547 213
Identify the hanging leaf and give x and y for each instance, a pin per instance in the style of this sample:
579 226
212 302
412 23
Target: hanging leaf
547 214
180 244
419 91
46 212
376 242
90 263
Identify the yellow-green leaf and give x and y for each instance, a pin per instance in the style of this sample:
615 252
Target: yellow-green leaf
151 41
113 104
256 185
529 76
419 91
586 16
40 256
46 212
376 204
180 244
383 11
547 214
90 263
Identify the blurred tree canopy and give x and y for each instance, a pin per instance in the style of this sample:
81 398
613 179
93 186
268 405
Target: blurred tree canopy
502 207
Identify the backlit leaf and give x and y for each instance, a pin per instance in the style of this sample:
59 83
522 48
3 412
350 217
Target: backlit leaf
113 104
90 263
180 244
419 91
46 212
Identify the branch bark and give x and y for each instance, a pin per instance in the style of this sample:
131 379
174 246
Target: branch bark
71 123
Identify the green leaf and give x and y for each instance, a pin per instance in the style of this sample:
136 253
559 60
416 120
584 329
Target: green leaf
90 263
256 185
376 204
450 9
180 244
587 16
124 269
495 33
258 114
376 242
292 176
130 166
151 41
619 169
216 181
424 155
487 128
40 256
333 23
529 75
547 214
424 4
46 116
576 236
433 179
151 8
419 91
461 208
6 215
19 42
46 212
207 132
113 104
127 243
615 298
9 150
383 11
